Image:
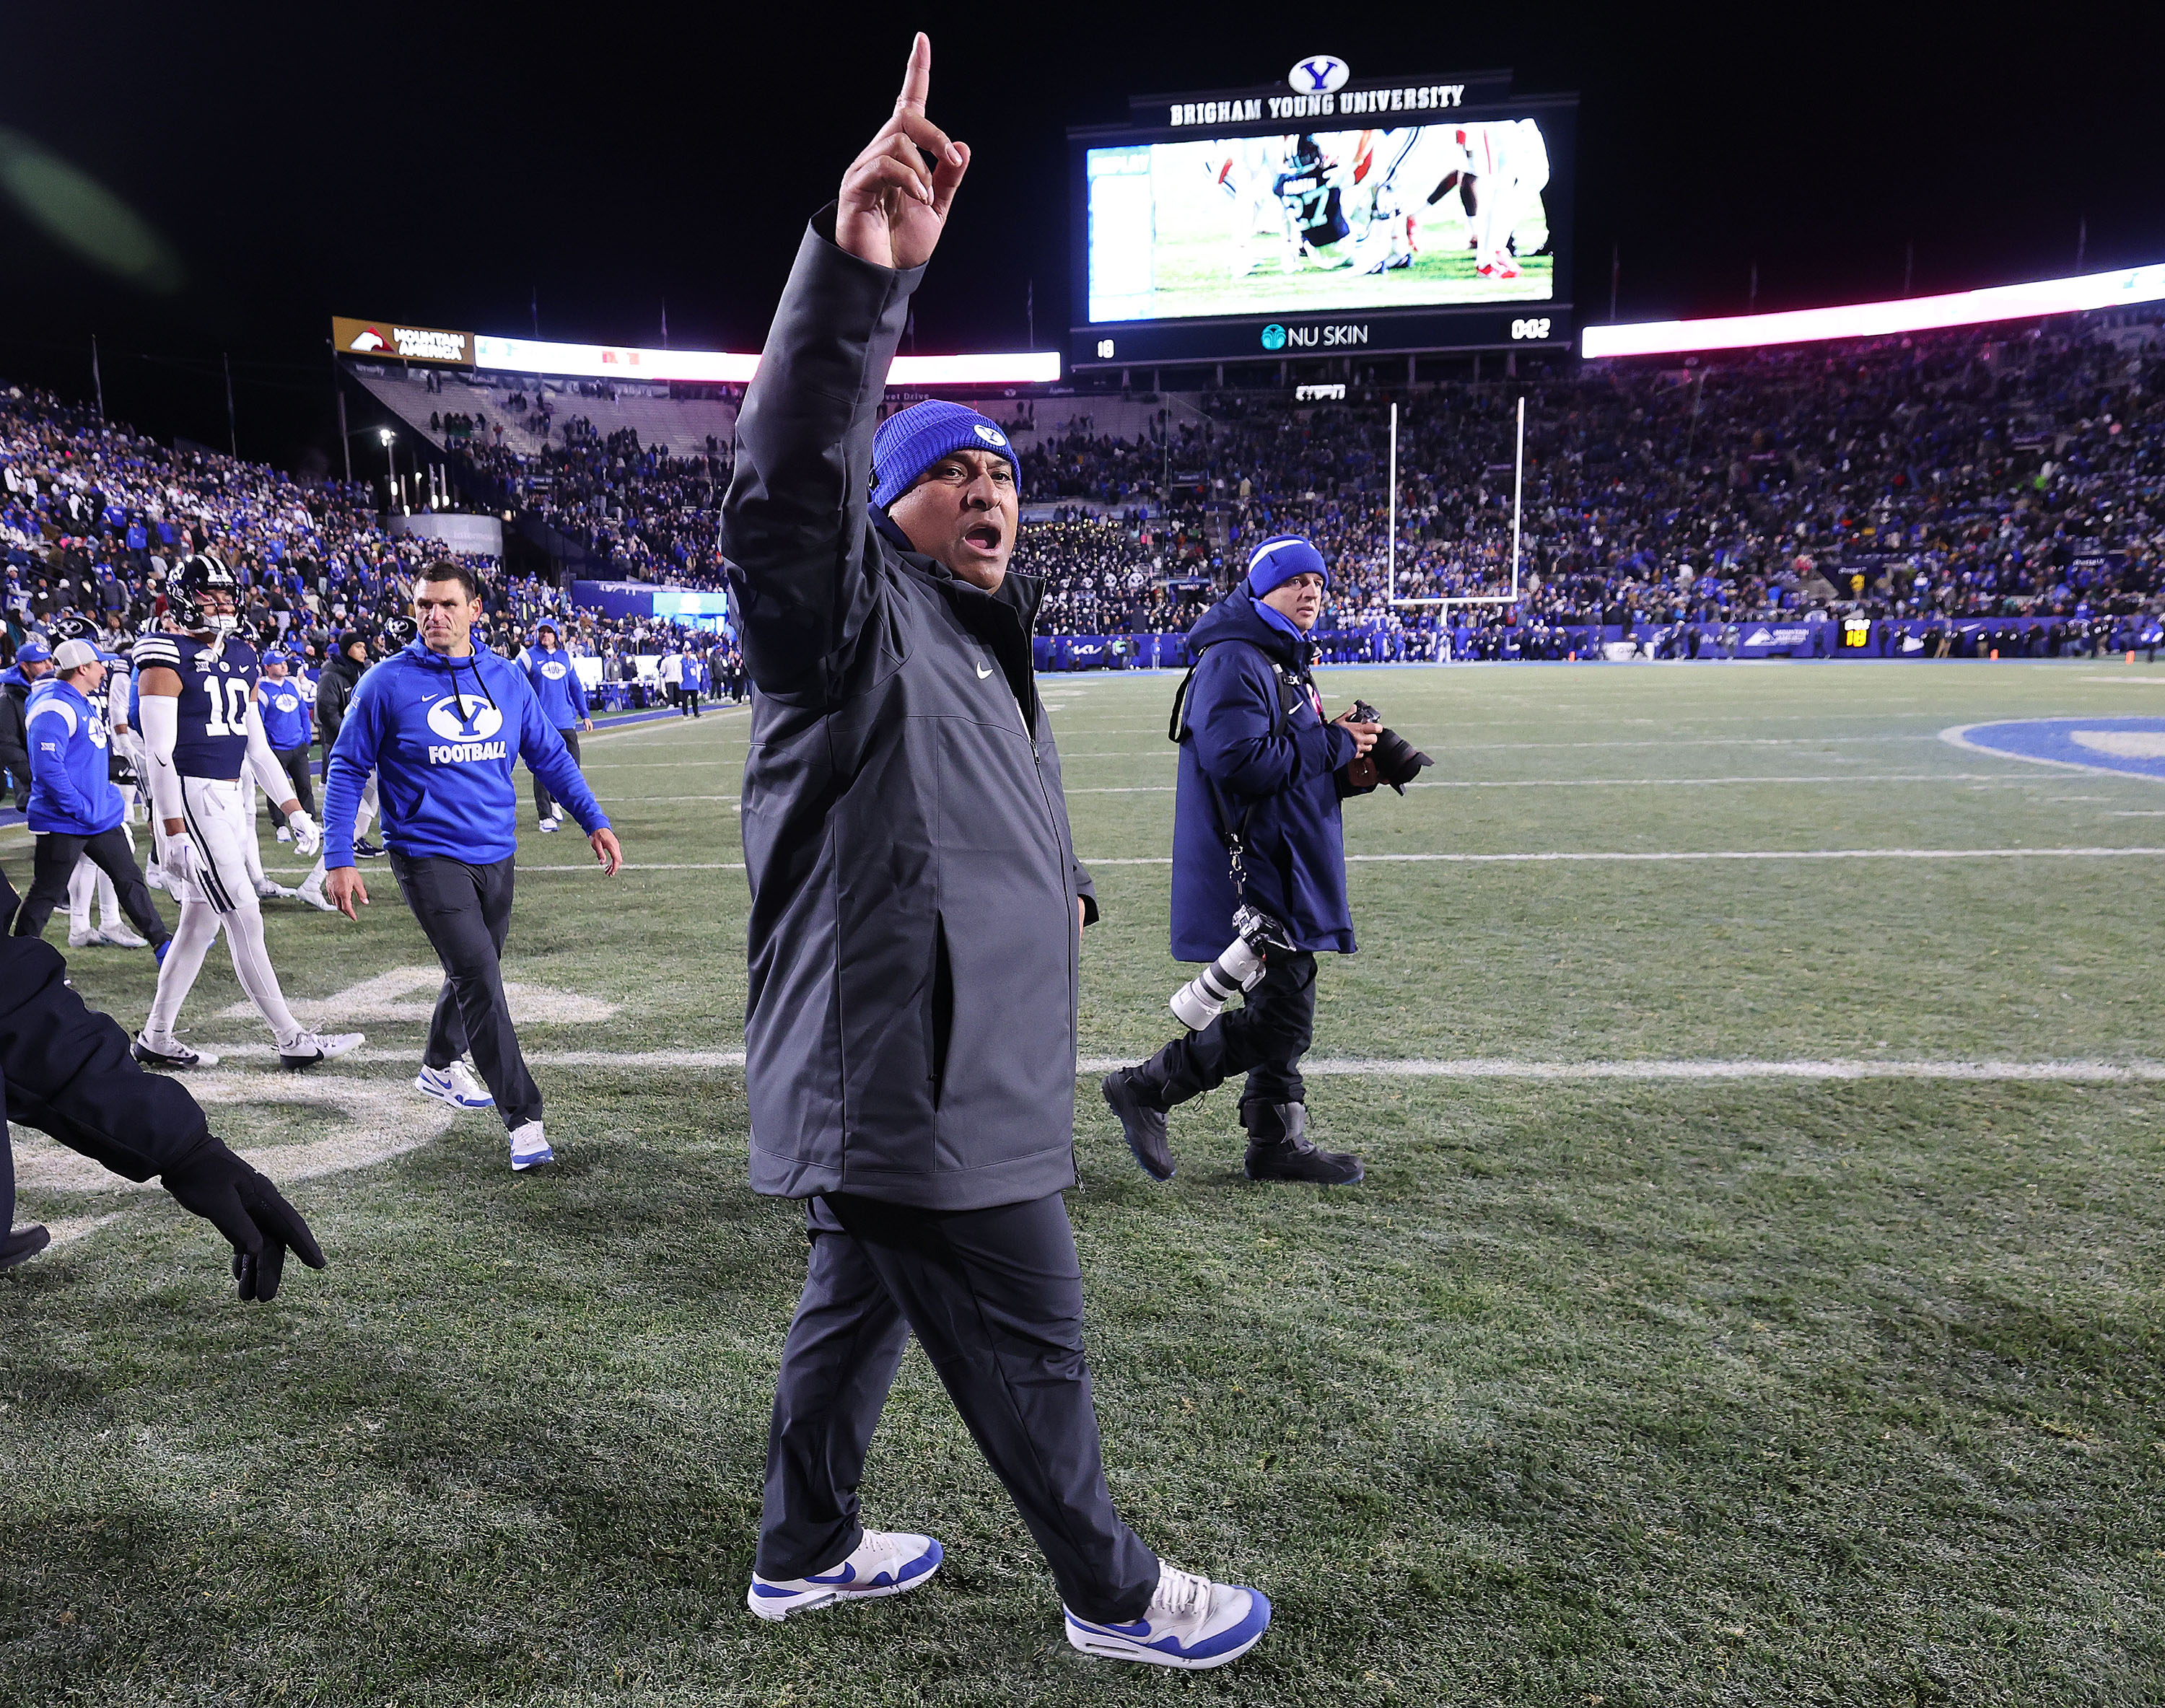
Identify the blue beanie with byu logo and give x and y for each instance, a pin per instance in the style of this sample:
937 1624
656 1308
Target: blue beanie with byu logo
911 440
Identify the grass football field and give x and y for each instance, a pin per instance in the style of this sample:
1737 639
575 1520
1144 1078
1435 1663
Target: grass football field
1712 1326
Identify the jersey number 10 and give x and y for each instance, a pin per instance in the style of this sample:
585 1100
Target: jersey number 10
228 711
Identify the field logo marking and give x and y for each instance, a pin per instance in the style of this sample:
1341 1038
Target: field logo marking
384 998
2103 747
356 1124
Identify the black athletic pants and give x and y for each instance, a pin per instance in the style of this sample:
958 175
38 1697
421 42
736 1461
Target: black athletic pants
1265 1039
543 805
465 910
996 1298
52 863
294 762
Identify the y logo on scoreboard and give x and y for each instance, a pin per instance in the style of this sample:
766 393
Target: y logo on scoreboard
1319 74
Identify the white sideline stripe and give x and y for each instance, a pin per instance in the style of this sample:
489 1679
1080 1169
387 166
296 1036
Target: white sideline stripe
1523 859
1444 748
1733 854
1471 1067
1626 781
1508 1067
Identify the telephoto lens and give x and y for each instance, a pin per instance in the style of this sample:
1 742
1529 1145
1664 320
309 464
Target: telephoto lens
1200 1001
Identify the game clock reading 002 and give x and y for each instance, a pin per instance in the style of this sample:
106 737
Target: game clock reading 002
1426 216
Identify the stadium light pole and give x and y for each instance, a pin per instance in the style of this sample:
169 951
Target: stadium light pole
390 467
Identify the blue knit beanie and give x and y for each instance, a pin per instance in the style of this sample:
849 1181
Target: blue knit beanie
911 440
1279 559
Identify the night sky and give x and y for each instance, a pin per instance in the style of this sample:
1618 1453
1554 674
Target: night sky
445 165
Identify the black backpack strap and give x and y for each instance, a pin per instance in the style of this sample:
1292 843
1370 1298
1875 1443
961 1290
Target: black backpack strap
1233 831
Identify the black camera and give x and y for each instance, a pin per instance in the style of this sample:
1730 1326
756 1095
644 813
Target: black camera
1397 761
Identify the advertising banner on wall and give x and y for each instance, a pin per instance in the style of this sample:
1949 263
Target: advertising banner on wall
392 342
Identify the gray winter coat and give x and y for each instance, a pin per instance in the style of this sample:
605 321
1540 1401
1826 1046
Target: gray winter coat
909 1032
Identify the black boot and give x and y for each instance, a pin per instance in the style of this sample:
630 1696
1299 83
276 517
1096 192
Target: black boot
22 1244
1140 1096
1142 1118
1280 1149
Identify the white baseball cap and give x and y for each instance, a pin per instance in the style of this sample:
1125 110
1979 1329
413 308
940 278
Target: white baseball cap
72 654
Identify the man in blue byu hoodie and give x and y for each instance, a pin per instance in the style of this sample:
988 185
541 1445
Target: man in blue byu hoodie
1256 757
563 697
75 810
440 723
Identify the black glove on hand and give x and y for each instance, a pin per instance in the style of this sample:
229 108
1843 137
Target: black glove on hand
244 1206
1398 760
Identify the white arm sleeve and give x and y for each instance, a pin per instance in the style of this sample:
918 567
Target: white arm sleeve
161 728
116 698
269 773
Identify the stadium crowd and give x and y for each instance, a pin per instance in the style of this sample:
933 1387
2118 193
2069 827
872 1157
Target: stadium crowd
93 516
1930 479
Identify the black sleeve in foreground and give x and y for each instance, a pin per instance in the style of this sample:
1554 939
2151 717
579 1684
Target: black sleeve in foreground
793 526
67 1072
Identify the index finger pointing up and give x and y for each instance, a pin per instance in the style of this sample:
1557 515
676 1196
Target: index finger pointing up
917 80
909 105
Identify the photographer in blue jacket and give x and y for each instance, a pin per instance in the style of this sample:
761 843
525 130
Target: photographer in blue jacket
441 722
1259 863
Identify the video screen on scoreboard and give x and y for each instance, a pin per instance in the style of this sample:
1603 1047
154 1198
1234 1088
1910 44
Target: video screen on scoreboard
1427 216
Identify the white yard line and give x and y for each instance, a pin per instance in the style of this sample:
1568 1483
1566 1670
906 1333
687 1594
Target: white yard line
1730 854
1470 1067
1635 781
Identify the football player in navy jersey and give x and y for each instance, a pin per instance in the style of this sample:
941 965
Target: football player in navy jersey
200 726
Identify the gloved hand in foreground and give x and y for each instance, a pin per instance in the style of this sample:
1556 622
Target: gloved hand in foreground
245 1207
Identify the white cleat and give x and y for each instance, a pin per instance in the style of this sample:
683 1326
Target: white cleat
885 1562
455 1085
548 824
85 940
312 892
285 835
171 1053
268 891
311 1048
528 1149
1191 1623
120 937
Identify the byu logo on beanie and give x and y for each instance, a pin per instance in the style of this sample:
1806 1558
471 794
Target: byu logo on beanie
911 440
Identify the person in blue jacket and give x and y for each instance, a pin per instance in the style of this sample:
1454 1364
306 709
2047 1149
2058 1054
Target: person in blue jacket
75 809
563 697
287 708
441 722
1257 757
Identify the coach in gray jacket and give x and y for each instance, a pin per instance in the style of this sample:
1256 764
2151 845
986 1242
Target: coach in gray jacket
910 1023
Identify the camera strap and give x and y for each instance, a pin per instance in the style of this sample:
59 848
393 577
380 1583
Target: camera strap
1233 832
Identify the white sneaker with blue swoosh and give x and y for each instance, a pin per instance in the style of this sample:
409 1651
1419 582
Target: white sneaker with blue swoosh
1191 1623
885 1562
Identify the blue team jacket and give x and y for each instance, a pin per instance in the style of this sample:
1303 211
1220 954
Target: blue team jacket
1282 765
442 734
557 686
287 708
70 792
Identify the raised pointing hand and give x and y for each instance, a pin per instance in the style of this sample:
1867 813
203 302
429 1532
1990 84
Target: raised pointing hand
892 206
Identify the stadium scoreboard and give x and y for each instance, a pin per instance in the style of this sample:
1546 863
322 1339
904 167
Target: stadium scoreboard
1327 215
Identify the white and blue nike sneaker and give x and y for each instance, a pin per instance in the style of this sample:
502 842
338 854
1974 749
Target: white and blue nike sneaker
1191 1623
455 1085
886 1562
